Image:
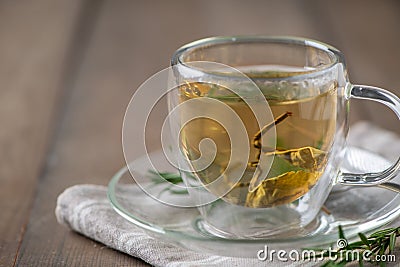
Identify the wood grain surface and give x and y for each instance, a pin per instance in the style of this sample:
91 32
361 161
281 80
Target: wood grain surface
69 68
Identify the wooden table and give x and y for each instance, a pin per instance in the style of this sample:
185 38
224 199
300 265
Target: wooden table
68 69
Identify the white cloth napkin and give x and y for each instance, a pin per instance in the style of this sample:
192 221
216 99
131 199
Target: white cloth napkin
86 209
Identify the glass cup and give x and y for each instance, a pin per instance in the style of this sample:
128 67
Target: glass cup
261 124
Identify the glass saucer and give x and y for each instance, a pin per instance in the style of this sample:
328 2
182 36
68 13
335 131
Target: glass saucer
357 209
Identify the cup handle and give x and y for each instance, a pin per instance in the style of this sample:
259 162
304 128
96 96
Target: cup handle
392 101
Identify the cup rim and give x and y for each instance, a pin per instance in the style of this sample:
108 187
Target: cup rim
335 54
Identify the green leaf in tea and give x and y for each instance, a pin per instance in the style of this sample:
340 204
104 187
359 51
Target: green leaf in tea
292 174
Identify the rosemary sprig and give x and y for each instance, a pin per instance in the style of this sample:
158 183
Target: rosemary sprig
377 248
170 177
167 177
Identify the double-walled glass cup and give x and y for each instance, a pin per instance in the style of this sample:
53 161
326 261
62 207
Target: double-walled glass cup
261 124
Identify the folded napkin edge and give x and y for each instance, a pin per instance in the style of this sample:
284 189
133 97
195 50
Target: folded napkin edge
70 193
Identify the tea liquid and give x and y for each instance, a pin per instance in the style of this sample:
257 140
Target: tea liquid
304 135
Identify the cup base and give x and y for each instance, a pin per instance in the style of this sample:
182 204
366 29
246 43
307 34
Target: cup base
320 225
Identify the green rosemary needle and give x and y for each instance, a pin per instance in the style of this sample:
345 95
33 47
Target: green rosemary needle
377 248
167 177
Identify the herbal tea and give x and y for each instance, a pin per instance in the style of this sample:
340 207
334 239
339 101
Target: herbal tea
305 130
